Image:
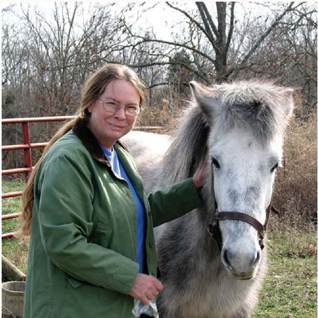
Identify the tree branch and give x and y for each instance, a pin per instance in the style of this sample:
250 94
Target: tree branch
149 40
207 31
234 71
208 16
230 34
169 63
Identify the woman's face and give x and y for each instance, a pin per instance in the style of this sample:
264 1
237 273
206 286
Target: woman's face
109 127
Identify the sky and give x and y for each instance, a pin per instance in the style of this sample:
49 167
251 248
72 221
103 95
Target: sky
161 18
153 18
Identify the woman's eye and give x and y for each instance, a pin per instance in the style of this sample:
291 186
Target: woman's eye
215 163
132 107
274 167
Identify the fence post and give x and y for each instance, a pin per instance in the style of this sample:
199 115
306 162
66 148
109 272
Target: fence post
27 151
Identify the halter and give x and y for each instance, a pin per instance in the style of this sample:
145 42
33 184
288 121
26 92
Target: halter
214 228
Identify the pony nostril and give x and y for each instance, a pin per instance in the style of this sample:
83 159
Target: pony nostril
226 259
257 258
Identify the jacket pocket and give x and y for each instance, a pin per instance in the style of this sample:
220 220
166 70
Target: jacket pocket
84 295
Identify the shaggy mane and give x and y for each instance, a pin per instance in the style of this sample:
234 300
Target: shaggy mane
255 106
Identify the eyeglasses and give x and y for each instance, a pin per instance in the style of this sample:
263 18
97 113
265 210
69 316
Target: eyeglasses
112 107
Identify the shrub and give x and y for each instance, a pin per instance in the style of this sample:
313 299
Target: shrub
295 193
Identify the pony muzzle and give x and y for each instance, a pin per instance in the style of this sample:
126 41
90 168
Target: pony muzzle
241 266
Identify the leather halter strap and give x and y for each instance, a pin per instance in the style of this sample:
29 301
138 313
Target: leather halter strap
225 215
214 229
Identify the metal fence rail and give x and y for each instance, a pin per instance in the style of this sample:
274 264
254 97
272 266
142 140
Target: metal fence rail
27 147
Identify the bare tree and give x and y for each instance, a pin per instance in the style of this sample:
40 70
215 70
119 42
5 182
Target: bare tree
218 34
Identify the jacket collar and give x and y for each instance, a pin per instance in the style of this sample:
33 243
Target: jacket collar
81 130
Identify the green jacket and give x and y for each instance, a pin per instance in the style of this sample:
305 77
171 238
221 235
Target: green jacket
82 253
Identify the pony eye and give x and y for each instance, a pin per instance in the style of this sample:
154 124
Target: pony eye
274 167
215 163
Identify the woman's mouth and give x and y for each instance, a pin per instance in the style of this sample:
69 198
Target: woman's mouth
116 126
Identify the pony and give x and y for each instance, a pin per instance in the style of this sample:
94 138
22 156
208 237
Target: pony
238 129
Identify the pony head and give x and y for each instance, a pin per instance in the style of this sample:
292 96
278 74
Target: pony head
247 121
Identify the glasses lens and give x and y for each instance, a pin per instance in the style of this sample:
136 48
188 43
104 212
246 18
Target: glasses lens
110 107
132 110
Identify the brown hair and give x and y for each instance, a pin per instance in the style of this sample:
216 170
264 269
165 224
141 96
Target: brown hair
92 89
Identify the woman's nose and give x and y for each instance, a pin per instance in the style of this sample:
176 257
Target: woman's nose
120 114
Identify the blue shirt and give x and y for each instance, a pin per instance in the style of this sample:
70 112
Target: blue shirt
118 169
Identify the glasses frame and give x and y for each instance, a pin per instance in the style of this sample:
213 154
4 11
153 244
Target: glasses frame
118 108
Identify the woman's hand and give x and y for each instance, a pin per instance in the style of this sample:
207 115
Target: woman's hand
199 176
145 288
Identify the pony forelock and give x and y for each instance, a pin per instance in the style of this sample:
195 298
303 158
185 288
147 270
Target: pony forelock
256 106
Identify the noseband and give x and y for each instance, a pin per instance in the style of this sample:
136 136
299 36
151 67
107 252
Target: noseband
214 228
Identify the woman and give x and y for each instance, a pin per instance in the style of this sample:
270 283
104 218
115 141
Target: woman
92 245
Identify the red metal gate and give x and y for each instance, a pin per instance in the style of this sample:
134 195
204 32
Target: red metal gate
27 146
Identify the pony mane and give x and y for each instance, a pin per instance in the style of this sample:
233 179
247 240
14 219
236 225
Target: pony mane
189 146
256 106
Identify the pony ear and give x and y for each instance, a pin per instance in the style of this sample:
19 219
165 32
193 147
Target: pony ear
206 99
288 105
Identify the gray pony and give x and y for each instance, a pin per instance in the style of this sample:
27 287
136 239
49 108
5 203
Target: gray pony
239 128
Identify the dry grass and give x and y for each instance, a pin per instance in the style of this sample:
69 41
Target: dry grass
295 193
163 112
